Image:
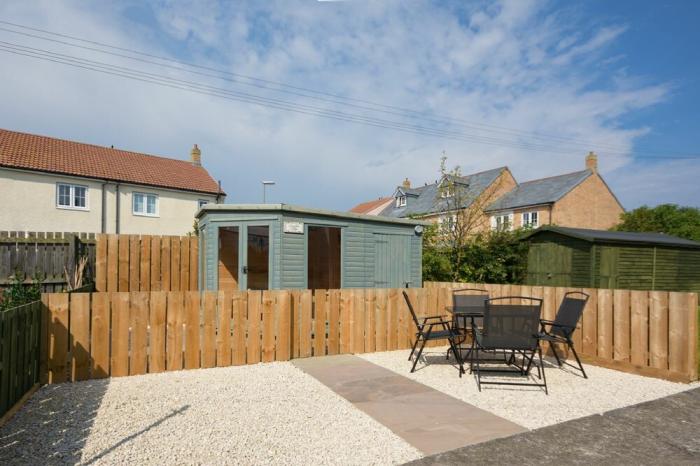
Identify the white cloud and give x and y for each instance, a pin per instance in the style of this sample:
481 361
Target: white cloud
514 65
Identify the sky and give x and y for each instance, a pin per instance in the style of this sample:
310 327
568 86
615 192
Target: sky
339 101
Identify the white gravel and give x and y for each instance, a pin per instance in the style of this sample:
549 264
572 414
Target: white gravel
260 414
570 395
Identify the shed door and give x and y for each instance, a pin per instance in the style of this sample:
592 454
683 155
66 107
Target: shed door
392 261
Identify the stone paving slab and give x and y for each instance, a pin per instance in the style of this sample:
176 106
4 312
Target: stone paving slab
663 431
428 419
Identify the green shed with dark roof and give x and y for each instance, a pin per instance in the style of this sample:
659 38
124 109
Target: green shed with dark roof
577 257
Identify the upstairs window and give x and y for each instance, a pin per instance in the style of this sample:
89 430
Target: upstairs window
201 203
145 204
502 222
71 196
401 201
446 192
531 219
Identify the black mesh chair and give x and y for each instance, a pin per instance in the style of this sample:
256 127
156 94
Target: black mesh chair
514 328
467 311
563 326
426 331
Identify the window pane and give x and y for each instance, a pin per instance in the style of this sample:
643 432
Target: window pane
138 203
64 195
79 193
151 204
202 203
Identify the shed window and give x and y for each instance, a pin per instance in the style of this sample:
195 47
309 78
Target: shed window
531 219
323 258
71 196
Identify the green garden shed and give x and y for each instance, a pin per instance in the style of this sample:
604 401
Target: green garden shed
584 258
280 246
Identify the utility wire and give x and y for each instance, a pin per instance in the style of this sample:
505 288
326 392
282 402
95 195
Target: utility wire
167 81
264 84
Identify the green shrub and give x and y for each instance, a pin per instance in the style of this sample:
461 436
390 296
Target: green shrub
19 293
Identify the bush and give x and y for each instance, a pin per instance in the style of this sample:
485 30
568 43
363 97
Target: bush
18 293
493 257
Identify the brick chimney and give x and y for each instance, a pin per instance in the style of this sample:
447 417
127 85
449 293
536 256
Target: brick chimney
406 184
592 162
196 156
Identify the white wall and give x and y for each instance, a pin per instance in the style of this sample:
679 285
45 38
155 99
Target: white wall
29 204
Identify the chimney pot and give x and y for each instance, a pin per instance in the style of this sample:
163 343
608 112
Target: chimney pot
592 162
196 156
406 183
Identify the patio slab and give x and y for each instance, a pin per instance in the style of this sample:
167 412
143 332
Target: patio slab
663 431
428 419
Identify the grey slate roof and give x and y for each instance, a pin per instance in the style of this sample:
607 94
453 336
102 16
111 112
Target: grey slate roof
427 201
537 192
626 237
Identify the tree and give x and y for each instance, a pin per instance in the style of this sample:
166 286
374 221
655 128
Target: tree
665 218
463 215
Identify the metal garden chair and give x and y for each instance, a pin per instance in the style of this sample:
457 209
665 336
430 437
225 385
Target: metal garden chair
426 331
469 308
563 326
514 328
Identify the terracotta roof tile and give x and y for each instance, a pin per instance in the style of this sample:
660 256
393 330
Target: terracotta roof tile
33 152
369 206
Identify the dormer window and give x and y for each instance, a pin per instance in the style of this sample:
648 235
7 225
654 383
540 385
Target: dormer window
446 192
401 201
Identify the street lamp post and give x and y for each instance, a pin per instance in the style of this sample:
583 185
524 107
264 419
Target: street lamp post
265 184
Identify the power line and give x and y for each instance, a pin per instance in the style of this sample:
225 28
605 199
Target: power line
294 90
167 81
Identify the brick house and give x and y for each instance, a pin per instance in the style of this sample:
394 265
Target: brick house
580 199
50 184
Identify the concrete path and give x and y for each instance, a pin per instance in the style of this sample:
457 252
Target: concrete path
663 431
428 419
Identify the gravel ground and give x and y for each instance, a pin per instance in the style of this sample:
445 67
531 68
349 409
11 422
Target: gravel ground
570 395
260 414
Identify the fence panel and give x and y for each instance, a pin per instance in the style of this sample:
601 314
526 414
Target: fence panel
650 333
19 353
145 263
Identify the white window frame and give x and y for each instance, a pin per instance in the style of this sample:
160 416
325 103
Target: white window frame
145 204
401 201
71 187
498 220
201 203
527 219
447 192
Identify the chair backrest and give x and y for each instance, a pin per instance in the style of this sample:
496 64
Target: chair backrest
470 301
410 308
511 326
570 311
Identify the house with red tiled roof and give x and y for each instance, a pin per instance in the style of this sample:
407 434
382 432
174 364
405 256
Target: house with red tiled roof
373 207
50 184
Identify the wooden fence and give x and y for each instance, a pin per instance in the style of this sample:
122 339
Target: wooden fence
146 263
20 337
118 334
44 255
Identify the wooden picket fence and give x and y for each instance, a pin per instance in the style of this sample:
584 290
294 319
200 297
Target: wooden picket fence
20 337
146 263
129 333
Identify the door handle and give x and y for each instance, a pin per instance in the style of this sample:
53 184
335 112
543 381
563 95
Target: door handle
245 269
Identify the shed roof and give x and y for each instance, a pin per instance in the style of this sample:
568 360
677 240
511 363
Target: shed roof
619 237
542 191
213 208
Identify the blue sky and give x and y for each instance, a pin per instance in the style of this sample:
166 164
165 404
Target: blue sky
529 84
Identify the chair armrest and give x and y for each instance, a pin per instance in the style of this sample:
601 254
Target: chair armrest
425 319
546 322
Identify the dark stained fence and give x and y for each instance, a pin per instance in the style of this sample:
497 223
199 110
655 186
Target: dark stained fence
44 255
20 338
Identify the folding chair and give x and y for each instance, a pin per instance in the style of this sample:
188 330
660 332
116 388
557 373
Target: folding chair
514 328
423 335
465 307
564 325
